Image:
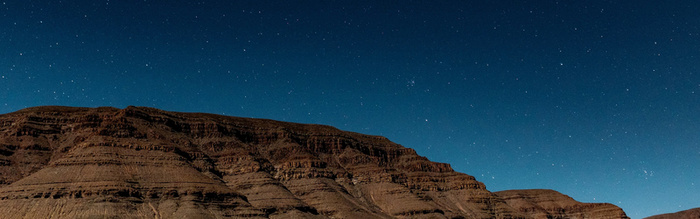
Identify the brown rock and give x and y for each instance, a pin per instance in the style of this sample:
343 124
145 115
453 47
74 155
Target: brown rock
687 214
542 203
64 162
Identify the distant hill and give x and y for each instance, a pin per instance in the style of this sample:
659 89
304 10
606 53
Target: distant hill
687 214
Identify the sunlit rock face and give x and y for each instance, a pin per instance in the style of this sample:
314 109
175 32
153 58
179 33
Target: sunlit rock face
64 162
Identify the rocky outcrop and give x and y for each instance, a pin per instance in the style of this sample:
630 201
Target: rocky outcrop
687 214
137 162
545 204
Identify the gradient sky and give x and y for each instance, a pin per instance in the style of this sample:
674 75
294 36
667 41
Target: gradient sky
599 100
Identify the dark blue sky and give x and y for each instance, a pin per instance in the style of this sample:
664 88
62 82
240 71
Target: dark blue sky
596 99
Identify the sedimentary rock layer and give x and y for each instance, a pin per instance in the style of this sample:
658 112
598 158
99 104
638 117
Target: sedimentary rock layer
137 162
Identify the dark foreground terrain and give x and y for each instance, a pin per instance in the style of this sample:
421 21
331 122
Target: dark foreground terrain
63 162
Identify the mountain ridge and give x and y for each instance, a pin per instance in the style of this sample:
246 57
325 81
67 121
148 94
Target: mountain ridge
693 213
140 162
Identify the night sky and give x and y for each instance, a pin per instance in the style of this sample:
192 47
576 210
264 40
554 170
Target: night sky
596 99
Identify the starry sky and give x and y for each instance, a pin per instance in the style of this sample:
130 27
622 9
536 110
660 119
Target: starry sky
596 99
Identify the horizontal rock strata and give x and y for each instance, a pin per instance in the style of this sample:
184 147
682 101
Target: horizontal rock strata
137 162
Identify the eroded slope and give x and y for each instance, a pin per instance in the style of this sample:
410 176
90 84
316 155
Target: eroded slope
147 163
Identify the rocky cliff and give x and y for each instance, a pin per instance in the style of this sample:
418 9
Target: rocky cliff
687 214
63 162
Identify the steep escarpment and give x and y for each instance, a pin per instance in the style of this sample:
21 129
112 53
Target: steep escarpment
146 163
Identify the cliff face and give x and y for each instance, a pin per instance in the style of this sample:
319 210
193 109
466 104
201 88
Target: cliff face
147 163
687 214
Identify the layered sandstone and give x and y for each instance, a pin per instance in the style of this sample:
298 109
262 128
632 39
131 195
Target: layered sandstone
63 162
